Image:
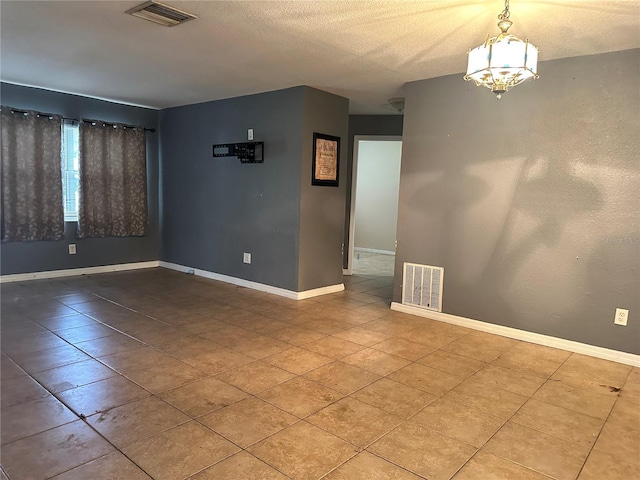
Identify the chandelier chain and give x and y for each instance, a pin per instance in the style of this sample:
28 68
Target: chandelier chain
505 13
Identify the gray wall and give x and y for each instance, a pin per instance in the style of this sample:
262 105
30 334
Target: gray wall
530 202
364 125
26 257
322 207
214 209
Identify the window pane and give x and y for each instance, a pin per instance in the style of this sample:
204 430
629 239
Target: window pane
70 175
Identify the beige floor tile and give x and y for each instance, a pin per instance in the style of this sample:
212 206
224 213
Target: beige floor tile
69 321
342 377
297 360
533 359
10 369
600 466
452 363
218 361
74 375
481 346
35 416
403 348
255 377
362 336
248 421
113 466
203 396
576 399
187 346
436 382
333 347
391 326
303 452
24 344
369 467
375 361
241 466
229 335
51 358
59 450
186 450
559 422
538 451
435 334
300 396
110 345
407 446
487 398
100 396
296 335
20 389
393 397
619 442
458 421
260 347
327 326
484 466
164 377
135 421
593 373
625 413
136 359
510 380
631 389
354 421
85 333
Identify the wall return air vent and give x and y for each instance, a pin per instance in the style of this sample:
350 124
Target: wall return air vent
160 13
422 286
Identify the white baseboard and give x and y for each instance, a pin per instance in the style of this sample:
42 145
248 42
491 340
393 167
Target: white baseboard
21 277
255 285
373 250
537 338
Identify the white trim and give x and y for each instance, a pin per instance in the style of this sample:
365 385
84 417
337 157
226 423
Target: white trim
374 250
345 271
354 182
255 285
531 337
21 277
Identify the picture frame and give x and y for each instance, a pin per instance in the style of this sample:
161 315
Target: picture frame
325 169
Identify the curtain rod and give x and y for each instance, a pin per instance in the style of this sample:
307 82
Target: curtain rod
75 120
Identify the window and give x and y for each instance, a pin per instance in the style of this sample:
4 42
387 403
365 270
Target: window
70 175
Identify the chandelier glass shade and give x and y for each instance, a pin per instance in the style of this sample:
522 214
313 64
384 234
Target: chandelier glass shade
502 61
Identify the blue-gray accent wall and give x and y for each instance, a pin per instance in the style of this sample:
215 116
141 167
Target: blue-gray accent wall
27 257
530 203
216 209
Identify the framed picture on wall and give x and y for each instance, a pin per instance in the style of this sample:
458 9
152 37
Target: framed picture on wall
326 160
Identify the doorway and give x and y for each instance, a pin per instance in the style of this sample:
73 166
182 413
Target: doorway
374 205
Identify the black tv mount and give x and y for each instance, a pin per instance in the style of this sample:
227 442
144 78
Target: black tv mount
248 152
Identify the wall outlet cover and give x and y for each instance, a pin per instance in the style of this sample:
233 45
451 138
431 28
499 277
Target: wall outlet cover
246 257
622 315
72 249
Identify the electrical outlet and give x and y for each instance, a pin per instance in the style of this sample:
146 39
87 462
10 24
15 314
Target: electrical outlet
72 249
250 134
246 257
622 316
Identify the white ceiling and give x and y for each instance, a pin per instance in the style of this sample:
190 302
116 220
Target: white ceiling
362 50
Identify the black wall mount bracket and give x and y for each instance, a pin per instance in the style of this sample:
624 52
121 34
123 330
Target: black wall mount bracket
247 152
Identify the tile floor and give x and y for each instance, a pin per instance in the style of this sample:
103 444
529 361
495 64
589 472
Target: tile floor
157 374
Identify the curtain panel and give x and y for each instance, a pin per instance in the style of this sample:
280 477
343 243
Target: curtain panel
31 176
113 181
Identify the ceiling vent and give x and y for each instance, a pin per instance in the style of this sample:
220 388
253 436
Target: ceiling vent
160 13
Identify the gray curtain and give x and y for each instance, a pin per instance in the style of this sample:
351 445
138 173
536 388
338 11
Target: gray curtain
113 181
31 176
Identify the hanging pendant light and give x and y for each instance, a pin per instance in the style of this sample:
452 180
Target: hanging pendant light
502 61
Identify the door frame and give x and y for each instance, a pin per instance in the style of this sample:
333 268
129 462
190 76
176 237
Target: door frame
354 184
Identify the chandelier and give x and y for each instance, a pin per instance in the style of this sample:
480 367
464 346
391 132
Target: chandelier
502 61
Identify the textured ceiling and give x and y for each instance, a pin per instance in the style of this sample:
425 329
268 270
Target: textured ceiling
363 50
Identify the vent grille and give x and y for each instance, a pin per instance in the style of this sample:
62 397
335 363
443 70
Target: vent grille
161 13
422 286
